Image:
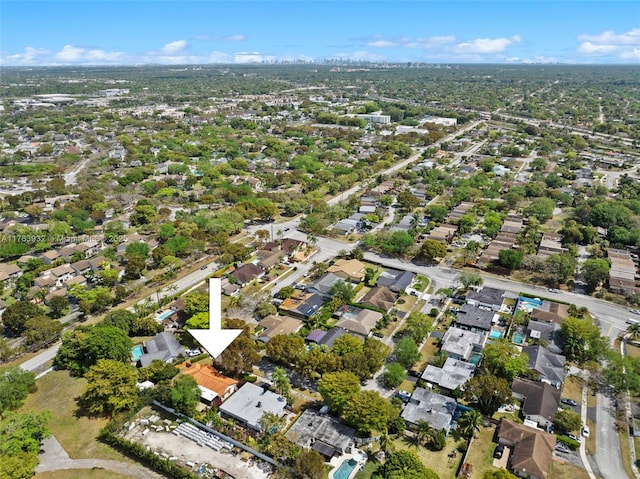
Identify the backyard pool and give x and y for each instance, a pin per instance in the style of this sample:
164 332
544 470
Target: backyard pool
518 337
136 352
345 469
164 315
528 304
495 334
475 359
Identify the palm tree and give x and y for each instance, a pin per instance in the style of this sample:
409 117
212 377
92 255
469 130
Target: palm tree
469 423
281 382
424 432
634 331
386 444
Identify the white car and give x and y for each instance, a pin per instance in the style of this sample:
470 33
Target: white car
585 431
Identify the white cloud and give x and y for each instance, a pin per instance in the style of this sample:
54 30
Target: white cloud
221 38
405 42
253 57
31 56
487 45
233 38
175 47
623 46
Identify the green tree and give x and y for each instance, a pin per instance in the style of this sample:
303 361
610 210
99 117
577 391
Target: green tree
158 371
20 437
418 325
285 349
567 420
367 411
58 305
581 340
242 354
540 208
309 465
185 395
337 389
560 267
488 392
17 314
406 352
347 344
83 347
111 387
120 318
41 329
15 385
403 465
281 383
498 474
469 423
503 359
343 290
264 309
468 278
431 250
511 258
595 271
394 374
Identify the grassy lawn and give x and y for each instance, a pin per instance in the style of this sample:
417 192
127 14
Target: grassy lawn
591 440
427 353
57 392
80 474
633 351
566 470
368 469
420 282
405 303
480 454
572 389
623 437
438 461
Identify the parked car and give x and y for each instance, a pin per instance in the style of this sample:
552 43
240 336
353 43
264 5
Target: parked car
570 402
585 431
204 267
554 290
560 447
574 437
499 451
193 352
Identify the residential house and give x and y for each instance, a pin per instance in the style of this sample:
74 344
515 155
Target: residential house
229 288
349 269
443 233
436 409
462 344
163 346
302 305
331 336
61 274
268 259
381 298
357 320
548 365
315 336
539 400
396 280
274 325
532 449
474 319
322 433
88 248
323 285
250 402
550 311
97 262
247 273
622 273
548 333
452 375
214 387
81 267
9 273
487 297
49 256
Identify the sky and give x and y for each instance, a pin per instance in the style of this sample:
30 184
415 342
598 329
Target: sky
134 32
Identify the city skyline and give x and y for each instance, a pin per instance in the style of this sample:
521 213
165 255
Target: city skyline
201 32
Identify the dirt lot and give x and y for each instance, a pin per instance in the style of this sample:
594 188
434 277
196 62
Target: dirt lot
188 451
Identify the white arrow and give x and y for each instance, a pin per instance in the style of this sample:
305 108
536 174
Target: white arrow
215 339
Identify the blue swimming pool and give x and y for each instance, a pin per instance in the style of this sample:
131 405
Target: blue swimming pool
345 469
165 314
136 352
518 337
495 334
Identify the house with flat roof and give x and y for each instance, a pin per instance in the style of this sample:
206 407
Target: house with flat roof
532 449
452 375
250 402
548 366
322 433
436 409
539 400
214 387
274 325
462 344
163 346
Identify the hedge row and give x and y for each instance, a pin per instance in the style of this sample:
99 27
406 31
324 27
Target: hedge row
147 457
